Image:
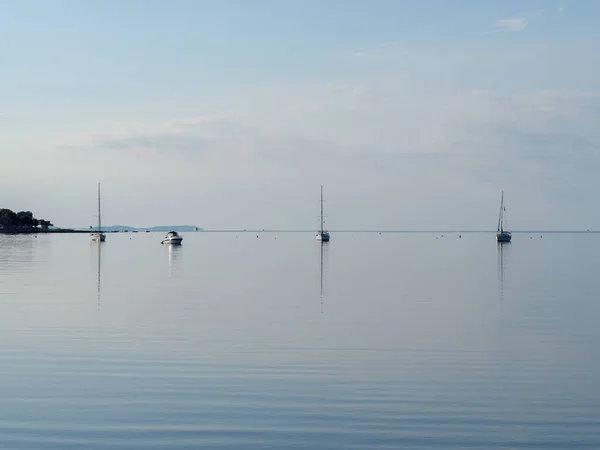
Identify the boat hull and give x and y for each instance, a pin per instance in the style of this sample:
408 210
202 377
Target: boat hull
503 237
98 237
172 241
323 237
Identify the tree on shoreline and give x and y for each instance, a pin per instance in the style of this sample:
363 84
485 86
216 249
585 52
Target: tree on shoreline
10 220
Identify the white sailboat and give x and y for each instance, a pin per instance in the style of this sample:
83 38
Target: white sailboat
501 234
98 235
322 235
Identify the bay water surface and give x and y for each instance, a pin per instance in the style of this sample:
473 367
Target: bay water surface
233 341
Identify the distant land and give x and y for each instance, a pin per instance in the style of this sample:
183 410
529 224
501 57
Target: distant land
161 228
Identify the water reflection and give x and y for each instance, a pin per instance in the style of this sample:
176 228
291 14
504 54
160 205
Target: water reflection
324 249
503 250
99 265
16 250
174 257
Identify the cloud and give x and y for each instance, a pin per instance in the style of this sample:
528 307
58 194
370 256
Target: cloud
380 139
353 55
513 24
561 9
360 128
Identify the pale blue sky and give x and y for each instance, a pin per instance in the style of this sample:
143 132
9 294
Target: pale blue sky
230 114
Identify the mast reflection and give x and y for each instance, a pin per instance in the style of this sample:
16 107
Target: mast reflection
503 251
324 249
99 246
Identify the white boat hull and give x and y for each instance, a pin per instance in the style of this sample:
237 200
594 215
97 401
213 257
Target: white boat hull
173 241
98 237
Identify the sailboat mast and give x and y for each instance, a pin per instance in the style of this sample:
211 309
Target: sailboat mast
321 209
501 215
99 216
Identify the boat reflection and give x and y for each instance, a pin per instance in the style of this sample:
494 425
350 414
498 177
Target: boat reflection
324 250
503 251
174 257
98 269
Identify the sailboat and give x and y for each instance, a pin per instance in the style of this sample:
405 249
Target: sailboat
322 235
98 235
502 235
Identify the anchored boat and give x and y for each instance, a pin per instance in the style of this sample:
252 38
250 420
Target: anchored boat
501 234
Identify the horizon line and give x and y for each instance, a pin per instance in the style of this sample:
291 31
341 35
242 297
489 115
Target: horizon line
265 230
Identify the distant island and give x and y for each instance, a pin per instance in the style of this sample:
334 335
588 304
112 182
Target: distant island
161 228
22 222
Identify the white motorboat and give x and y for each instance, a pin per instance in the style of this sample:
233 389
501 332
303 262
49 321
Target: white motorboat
172 238
322 235
502 235
98 235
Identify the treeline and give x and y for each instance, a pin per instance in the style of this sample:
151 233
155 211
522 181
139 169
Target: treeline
21 220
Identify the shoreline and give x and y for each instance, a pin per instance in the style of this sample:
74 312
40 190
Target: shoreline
250 231
41 231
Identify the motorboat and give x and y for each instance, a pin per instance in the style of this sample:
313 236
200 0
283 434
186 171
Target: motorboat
172 238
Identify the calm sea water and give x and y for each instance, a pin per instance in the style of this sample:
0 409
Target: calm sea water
237 342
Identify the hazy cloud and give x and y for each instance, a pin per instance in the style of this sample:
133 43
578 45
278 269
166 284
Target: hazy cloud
354 127
513 24
354 55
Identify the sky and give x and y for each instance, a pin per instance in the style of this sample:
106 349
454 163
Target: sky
230 114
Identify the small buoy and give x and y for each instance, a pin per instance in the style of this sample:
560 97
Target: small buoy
460 236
